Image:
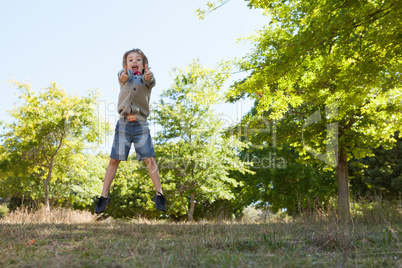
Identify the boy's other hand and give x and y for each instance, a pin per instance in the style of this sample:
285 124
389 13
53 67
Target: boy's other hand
124 75
148 74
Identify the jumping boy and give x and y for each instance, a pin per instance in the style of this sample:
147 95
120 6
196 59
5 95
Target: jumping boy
136 82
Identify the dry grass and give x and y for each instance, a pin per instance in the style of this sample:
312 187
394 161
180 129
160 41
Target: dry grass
278 242
58 215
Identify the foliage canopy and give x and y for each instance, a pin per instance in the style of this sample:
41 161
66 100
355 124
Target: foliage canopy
330 70
43 146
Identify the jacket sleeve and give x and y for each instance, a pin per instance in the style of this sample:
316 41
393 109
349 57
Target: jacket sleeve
124 103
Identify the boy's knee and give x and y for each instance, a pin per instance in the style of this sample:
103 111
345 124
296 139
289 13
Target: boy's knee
114 162
150 161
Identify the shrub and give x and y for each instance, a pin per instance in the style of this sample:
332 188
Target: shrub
3 211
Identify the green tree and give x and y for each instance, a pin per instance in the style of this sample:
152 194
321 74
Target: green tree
20 189
79 181
194 157
380 174
281 178
50 130
331 70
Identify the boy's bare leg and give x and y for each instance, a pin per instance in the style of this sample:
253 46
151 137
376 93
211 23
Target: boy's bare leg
154 174
109 176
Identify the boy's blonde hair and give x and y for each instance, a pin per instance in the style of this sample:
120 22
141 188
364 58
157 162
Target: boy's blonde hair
144 58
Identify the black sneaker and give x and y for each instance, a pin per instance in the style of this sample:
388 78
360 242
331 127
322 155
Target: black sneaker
102 204
160 202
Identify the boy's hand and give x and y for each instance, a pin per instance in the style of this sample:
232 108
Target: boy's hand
148 74
124 75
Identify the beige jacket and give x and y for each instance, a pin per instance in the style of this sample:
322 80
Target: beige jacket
134 96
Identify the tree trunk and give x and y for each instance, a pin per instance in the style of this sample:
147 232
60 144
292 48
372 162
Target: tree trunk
192 205
343 186
46 184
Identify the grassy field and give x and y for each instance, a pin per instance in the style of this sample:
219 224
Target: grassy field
71 239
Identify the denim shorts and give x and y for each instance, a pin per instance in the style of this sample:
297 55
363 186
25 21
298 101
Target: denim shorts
128 132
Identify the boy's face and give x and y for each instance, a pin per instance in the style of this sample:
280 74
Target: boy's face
134 62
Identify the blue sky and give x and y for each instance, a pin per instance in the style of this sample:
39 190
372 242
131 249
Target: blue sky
79 44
